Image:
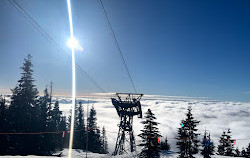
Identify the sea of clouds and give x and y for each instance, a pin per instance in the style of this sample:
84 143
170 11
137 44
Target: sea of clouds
214 116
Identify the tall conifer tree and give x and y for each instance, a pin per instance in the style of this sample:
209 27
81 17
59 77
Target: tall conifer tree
55 126
243 152
207 146
237 152
248 151
187 136
229 144
93 132
63 128
44 110
222 144
80 136
104 142
44 120
226 142
165 145
3 127
23 111
150 136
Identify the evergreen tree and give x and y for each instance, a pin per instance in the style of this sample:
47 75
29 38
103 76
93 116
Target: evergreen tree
97 146
76 142
50 95
44 119
93 132
104 142
68 125
56 116
237 152
207 145
243 152
63 124
3 114
80 136
165 145
229 144
23 112
63 128
187 136
4 127
69 117
44 110
69 120
248 151
222 144
55 126
150 135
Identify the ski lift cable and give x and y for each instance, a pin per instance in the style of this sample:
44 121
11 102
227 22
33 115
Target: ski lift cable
116 43
44 33
96 129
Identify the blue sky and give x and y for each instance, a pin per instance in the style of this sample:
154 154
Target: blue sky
178 48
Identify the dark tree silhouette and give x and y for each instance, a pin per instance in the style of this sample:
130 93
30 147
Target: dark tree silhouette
94 143
225 146
63 127
237 152
44 119
55 122
207 146
44 110
248 151
68 125
165 145
222 144
243 152
187 136
150 135
104 142
24 111
28 113
80 136
229 144
3 127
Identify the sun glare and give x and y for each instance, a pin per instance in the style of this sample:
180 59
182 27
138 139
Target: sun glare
73 43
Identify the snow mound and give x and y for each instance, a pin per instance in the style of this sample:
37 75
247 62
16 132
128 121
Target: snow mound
76 153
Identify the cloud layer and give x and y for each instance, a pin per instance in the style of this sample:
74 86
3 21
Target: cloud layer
215 116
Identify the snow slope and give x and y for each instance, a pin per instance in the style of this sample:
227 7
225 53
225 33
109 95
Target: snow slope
75 154
81 154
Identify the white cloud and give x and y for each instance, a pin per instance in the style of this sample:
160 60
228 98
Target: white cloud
216 116
248 92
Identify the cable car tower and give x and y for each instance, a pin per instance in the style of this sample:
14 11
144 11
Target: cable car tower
127 105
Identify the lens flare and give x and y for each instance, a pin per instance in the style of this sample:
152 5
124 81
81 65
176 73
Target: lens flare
73 43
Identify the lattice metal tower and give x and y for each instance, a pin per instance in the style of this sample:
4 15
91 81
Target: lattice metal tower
127 105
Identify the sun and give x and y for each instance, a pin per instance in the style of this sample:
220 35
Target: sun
74 44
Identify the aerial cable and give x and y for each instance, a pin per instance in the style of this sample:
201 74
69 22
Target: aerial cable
96 129
45 34
117 44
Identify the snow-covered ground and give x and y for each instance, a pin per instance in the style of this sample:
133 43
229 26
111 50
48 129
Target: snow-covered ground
215 116
75 154
81 154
